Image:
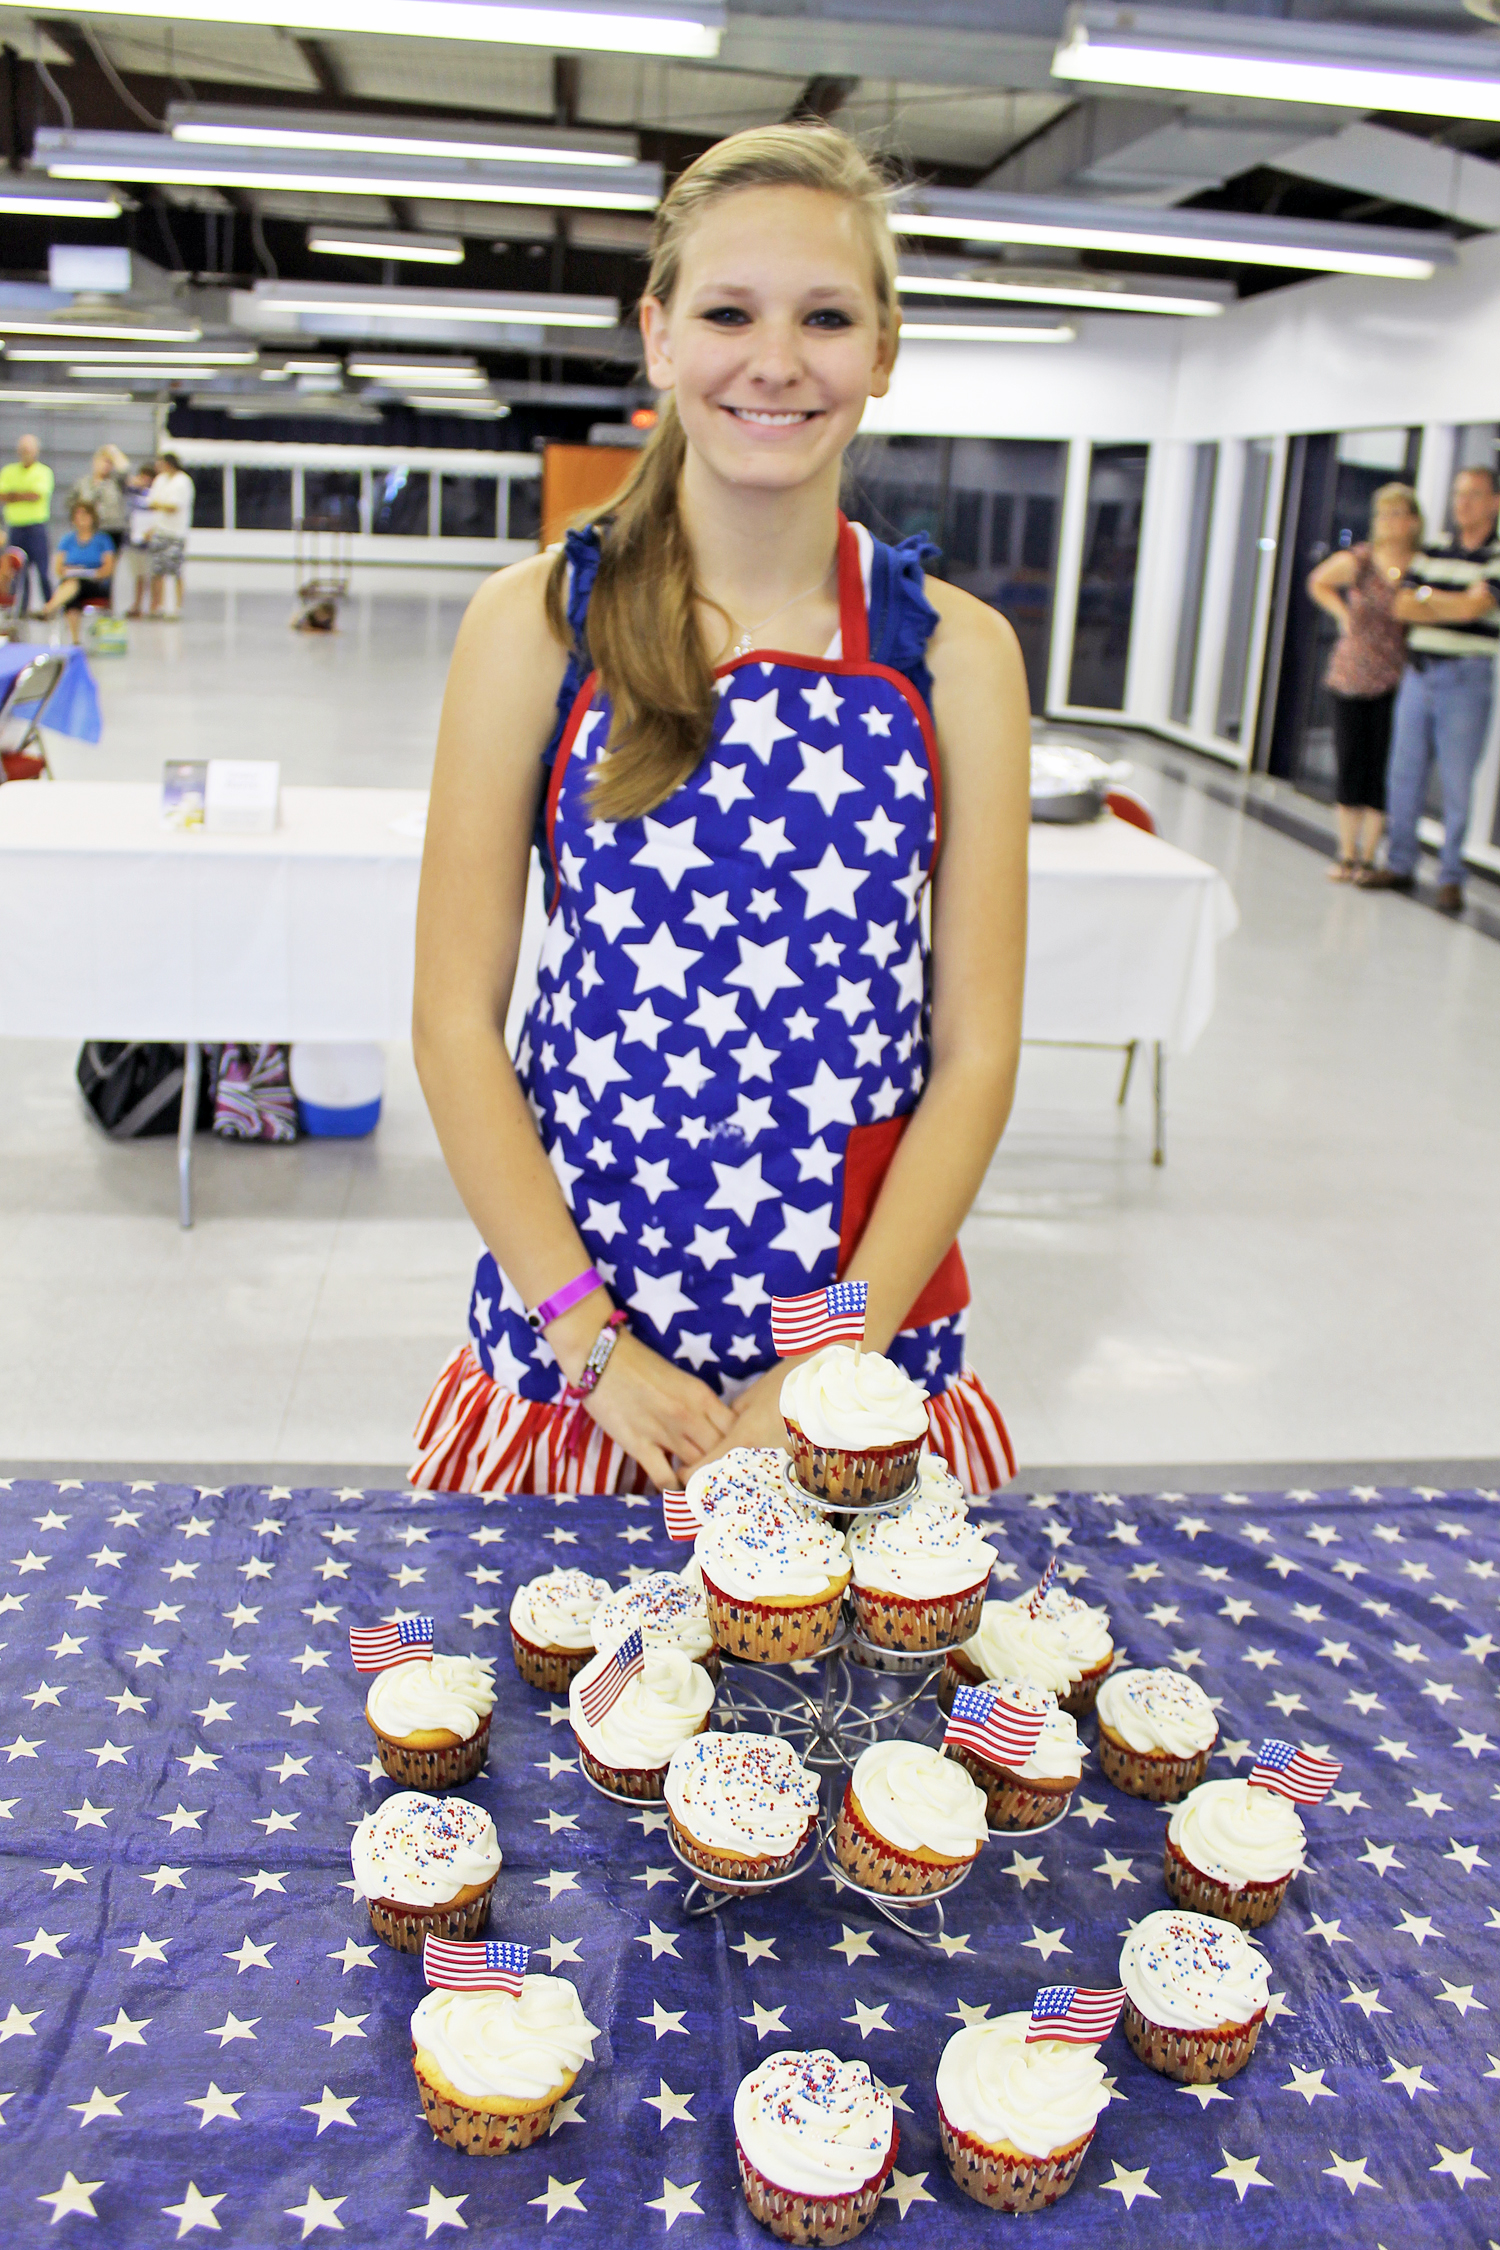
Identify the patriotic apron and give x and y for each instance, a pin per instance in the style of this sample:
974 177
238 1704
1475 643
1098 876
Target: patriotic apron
729 1035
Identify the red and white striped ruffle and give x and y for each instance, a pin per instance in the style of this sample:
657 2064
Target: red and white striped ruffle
474 1437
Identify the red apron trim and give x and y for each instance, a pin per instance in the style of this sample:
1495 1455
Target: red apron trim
867 1158
854 615
583 703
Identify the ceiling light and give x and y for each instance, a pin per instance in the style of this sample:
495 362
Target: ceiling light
650 27
457 374
395 136
57 397
312 367
164 371
138 332
1102 293
1227 237
198 355
470 307
400 249
480 409
976 329
31 200
1264 58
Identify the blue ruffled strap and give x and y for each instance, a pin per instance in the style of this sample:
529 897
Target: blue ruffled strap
582 549
902 619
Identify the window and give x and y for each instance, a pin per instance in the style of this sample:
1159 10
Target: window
330 499
1249 536
208 498
1106 583
262 499
467 508
401 503
522 519
1190 613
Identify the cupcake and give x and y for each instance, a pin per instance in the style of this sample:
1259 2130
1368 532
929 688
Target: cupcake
1195 1996
1015 2118
911 1821
425 1865
816 2139
745 1472
857 1425
492 2066
1038 1791
741 1806
667 1701
773 1579
1155 1732
919 1576
431 1719
552 1626
1232 1849
669 1608
1057 1642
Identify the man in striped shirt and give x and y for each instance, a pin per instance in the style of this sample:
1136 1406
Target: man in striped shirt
1450 605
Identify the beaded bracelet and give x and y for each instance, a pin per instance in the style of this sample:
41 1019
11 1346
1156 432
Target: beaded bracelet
598 1359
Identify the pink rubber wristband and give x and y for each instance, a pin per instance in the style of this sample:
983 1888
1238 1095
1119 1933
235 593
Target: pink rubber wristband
562 1300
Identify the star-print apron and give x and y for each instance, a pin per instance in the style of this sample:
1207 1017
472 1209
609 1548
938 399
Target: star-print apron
728 1038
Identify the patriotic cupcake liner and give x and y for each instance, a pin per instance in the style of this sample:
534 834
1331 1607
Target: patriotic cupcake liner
1084 1693
408 1927
1149 1773
814 2218
482 2132
895 1621
1249 1908
877 1865
849 1478
1009 1802
444 1766
549 1668
736 1867
1005 2180
767 1633
1193 2058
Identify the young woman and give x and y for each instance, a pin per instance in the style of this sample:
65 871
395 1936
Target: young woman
1357 586
85 561
755 748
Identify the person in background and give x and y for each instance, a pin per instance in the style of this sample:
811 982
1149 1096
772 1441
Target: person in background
104 491
26 499
1357 587
138 521
171 505
86 557
1451 609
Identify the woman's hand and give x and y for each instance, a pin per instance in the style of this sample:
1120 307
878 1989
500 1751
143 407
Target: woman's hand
757 1417
658 1412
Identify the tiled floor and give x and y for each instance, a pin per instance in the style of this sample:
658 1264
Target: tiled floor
1311 1277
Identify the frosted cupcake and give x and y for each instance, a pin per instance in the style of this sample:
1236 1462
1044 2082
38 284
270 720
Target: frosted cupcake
1016 2119
492 2067
919 1576
627 1750
431 1719
744 1473
816 2139
741 1806
1195 1996
669 1608
773 1579
1029 1795
1232 1850
1063 1644
552 1626
857 1424
425 1865
911 1821
1155 1732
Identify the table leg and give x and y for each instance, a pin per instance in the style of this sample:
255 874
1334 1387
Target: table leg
1159 1104
1130 1048
187 1120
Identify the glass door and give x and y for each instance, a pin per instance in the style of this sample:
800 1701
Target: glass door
1106 581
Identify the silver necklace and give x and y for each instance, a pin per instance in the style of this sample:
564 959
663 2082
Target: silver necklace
747 639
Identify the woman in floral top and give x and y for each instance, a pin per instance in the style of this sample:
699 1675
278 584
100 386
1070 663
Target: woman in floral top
1357 586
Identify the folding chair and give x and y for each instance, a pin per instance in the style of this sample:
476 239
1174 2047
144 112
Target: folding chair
23 753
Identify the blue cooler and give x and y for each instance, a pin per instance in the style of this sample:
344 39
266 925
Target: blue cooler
338 1089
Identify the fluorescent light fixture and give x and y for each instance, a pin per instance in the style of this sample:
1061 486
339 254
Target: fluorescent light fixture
395 136
195 355
400 249
11 396
1226 237
434 374
141 332
31 199
1265 58
478 409
312 367
976 329
163 371
689 28
467 307
1135 293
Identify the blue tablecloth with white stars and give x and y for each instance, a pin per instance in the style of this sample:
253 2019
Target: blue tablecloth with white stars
199 2035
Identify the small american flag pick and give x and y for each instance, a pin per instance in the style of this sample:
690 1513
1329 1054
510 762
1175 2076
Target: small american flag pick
375 1648
1044 1586
1072 2013
835 1315
598 1696
683 1519
1293 1773
492 1966
983 1720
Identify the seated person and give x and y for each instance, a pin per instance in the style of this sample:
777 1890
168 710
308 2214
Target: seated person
85 562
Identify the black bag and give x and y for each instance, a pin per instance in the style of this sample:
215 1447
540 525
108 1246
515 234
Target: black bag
134 1087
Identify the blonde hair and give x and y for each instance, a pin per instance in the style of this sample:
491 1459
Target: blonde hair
643 637
1397 495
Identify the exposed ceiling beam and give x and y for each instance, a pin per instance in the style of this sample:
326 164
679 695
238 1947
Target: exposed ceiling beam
320 61
1399 168
822 97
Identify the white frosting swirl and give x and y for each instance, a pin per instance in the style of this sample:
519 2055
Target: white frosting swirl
812 2124
1039 2098
747 1794
1158 1712
668 1700
668 1608
451 1692
771 1547
1190 1972
504 2046
925 1552
919 1800
557 1610
854 1400
940 1484
1057 1755
744 1473
1236 1835
1053 1648
422 1851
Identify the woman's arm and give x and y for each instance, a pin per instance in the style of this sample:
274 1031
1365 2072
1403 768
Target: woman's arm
498 712
1323 584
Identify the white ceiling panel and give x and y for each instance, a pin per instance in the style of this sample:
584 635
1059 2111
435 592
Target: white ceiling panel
226 54
938 125
485 222
352 210
447 73
679 97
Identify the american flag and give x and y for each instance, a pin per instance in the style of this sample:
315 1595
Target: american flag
1293 1773
835 1315
599 1695
1003 1732
683 1520
1044 1587
493 1966
1071 2012
375 1648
